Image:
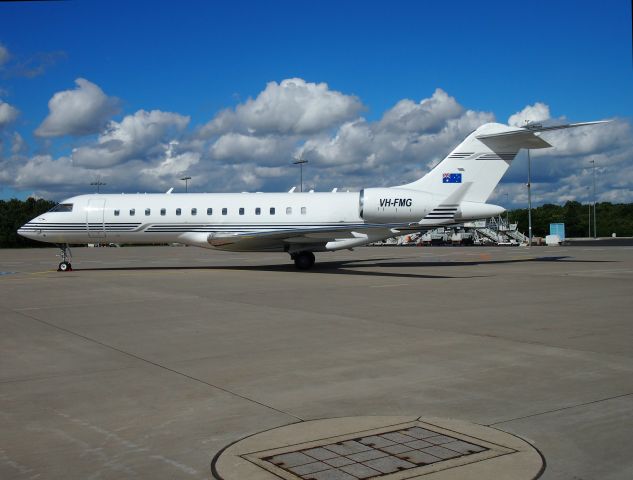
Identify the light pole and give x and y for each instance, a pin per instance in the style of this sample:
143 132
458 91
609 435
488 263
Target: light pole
300 162
530 126
589 218
186 179
98 184
529 189
595 232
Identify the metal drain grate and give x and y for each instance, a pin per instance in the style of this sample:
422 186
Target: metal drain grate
374 456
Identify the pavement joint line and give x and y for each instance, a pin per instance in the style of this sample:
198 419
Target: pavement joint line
395 322
569 407
63 375
164 367
75 305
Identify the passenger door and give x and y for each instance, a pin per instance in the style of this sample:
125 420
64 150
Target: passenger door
94 218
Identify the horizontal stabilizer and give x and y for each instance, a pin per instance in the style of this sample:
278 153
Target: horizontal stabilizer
535 127
513 140
525 137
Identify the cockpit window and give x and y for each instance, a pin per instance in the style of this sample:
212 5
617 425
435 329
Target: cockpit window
62 207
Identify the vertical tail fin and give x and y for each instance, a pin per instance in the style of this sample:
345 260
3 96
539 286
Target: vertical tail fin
483 158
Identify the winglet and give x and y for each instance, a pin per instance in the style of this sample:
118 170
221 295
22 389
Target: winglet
168 192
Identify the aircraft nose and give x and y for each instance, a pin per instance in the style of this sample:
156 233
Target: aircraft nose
29 230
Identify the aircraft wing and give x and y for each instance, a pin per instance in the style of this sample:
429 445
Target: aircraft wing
311 237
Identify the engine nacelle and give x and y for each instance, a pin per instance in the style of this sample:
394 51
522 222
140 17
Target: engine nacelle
387 205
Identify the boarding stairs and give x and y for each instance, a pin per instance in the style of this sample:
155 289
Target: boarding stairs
489 234
518 236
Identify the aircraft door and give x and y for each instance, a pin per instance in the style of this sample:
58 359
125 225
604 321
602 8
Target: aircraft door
95 218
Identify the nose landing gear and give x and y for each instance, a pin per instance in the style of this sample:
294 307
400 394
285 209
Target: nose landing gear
66 255
303 260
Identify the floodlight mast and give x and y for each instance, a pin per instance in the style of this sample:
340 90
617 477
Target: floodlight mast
300 162
531 126
529 189
186 179
593 165
98 184
589 217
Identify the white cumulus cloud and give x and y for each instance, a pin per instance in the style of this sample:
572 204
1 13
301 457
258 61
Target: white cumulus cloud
82 111
4 55
42 172
18 145
137 137
429 114
236 147
293 106
410 138
251 147
7 114
539 112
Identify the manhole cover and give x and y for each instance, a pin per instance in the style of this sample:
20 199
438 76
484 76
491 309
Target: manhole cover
378 447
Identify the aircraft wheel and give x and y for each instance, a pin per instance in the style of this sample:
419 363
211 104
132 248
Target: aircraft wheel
304 260
64 267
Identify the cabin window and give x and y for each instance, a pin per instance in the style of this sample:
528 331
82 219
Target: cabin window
225 211
209 211
62 207
178 211
147 212
288 210
304 210
163 211
132 212
194 211
116 213
258 211
272 210
241 211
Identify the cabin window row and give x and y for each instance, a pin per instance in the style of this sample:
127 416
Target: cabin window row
225 211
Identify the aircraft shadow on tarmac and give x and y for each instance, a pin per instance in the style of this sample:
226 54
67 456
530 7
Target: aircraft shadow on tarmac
348 267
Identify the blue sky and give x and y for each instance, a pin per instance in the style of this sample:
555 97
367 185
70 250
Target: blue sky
197 58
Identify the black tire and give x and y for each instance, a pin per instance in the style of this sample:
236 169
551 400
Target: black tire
64 267
304 260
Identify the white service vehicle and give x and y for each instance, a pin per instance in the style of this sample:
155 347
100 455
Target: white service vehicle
455 191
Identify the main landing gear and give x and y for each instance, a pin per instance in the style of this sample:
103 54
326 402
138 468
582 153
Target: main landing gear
303 260
64 265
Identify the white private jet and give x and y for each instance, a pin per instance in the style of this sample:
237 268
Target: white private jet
455 191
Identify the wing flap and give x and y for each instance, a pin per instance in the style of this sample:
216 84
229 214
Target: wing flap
305 235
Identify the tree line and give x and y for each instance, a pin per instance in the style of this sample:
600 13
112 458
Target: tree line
611 218
13 214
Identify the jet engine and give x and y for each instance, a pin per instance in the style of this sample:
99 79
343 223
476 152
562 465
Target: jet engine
386 205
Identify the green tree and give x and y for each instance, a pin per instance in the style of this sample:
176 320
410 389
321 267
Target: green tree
13 214
612 218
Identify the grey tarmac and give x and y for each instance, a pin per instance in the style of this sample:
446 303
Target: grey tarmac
143 362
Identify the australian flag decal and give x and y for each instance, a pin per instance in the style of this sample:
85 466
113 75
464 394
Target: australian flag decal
452 178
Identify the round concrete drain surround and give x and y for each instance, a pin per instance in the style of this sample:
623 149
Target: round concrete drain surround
389 448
